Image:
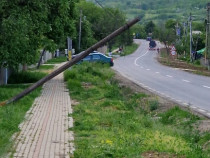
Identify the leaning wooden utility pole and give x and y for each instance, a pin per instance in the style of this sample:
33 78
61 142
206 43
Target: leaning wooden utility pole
72 62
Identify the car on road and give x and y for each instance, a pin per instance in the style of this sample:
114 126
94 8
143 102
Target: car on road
98 57
152 45
149 38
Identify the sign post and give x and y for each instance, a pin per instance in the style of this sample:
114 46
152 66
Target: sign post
173 51
69 42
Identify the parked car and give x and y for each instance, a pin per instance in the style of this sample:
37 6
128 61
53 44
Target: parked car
98 57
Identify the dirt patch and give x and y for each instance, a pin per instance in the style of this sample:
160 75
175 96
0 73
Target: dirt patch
87 85
204 126
152 154
74 102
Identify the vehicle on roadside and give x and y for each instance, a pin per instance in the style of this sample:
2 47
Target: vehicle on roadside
98 57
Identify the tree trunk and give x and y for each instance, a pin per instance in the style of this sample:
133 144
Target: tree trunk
25 67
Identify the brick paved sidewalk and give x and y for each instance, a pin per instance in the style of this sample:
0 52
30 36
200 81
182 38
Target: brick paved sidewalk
44 133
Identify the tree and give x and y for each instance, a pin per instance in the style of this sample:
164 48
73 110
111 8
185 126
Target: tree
104 21
139 31
170 24
28 26
167 37
62 21
149 27
22 27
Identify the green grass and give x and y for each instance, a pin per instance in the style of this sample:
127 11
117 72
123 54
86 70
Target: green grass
112 121
56 60
45 67
129 49
25 77
12 115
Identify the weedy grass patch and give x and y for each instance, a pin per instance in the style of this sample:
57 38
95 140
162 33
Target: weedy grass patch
129 49
25 77
56 60
13 114
111 120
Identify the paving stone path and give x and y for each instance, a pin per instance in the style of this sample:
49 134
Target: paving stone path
45 131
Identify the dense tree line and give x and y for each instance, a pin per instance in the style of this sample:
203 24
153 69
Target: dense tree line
30 25
27 26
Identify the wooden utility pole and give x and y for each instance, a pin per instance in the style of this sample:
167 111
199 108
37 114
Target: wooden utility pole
190 20
208 36
80 30
72 62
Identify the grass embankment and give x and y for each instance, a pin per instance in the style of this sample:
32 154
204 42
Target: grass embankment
13 114
56 60
113 121
183 63
127 50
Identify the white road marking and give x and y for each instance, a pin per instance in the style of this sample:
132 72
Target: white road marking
185 81
157 72
169 76
148 69
206 86
135 62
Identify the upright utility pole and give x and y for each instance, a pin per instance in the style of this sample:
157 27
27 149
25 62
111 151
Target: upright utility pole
208 35
190 20
80 29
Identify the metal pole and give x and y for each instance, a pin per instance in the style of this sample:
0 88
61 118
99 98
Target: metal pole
80 29
72 62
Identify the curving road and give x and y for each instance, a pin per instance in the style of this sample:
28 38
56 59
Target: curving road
182 87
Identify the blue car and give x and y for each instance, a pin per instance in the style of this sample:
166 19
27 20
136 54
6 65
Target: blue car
98 57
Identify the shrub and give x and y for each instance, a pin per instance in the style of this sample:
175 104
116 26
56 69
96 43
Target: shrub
25 77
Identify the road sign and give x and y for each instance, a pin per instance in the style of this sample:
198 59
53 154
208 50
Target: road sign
173 50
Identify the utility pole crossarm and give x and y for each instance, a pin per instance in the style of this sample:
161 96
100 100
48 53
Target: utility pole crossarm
72 62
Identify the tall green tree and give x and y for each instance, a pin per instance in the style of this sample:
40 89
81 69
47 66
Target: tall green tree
22 27
27 26
150 27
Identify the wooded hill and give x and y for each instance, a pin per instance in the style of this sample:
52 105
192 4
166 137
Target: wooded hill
159 10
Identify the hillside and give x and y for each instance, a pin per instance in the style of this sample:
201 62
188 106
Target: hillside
159 10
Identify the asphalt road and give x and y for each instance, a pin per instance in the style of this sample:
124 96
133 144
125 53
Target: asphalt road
182 87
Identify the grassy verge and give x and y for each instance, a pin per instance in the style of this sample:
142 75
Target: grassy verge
113 121
128 50
183 64
25 77
56 60
12 115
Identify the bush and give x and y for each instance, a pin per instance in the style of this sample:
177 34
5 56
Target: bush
25 77
154 105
